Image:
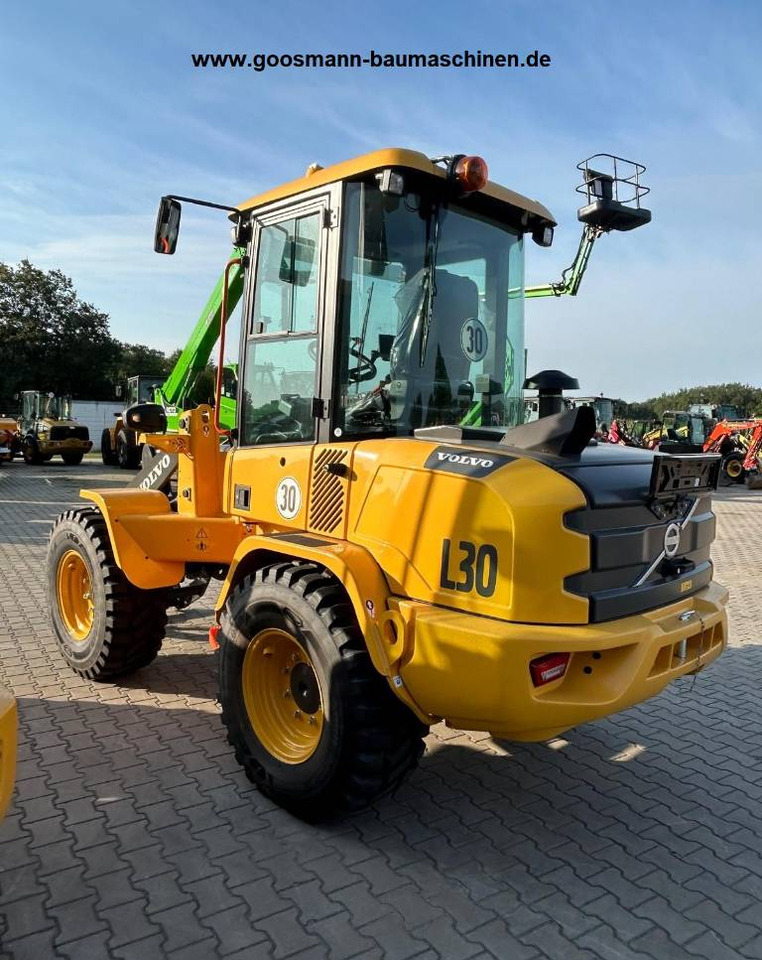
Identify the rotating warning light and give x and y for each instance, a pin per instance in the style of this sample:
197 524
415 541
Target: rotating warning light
470 173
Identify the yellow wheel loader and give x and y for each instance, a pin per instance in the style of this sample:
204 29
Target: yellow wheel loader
47 430
396 547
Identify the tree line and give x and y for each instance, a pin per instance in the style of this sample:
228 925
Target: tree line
53 341
745 398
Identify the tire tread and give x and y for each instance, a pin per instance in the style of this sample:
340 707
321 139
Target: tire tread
386 738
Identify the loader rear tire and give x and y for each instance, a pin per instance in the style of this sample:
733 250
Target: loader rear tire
313 724
105 626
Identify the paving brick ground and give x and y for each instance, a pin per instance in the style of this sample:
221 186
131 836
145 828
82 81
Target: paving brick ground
135 835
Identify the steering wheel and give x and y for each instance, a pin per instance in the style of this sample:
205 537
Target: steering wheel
366 368
273 437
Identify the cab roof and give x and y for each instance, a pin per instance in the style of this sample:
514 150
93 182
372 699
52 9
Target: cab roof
398 158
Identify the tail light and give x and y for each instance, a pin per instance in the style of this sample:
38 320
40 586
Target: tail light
548 668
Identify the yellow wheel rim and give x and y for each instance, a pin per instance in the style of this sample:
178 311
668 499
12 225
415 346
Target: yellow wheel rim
74 587
733 468
282 696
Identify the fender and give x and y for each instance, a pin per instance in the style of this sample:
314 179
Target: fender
387 636
152 544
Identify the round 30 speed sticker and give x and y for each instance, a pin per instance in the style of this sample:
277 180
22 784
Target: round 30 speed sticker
288 498
474 340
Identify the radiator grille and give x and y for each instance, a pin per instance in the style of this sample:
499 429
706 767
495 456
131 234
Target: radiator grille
328 494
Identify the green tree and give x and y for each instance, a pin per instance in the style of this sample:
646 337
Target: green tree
50 339
137 358
746 398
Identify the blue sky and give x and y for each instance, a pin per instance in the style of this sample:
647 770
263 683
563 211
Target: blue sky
102 113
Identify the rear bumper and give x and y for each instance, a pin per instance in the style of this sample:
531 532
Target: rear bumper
474 671
66 446
7 749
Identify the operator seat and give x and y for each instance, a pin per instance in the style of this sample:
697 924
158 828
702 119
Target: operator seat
432 388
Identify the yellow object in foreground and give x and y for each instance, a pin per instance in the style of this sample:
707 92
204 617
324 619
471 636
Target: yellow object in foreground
8 734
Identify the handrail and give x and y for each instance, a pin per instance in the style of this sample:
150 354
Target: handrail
223 326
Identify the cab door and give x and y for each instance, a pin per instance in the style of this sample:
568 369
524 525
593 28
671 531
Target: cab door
281 413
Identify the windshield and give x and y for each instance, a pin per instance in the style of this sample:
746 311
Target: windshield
432 316
56 408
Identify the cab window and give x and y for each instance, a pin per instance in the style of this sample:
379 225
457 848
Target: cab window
282 348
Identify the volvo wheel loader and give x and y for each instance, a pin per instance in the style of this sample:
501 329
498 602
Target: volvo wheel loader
397 548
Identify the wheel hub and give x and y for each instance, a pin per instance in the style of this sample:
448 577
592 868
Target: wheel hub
282 696
304 687
74 589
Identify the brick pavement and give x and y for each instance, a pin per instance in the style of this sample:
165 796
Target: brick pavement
134 833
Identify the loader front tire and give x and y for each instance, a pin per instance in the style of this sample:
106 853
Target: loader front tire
732 470
108 455
105 626
313 724
127 454
30 451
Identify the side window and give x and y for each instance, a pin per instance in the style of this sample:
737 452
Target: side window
281 353
285 298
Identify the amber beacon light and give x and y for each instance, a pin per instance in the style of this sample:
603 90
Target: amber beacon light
470 173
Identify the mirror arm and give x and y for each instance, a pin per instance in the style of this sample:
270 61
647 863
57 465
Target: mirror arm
204 203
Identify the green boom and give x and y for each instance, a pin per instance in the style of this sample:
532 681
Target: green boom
194 358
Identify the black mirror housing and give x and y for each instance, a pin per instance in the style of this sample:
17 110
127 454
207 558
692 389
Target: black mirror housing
167 226
146 418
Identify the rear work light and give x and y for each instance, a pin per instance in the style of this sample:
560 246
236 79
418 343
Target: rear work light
470 173
548 668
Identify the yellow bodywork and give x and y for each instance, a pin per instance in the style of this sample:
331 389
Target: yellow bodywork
8 723
377 516
317 176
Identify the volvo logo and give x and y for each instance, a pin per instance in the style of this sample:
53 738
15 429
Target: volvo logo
672 539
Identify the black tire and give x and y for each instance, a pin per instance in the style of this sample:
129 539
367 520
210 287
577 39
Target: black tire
30 451
72 459
128 623
369 739
127 454
731 463
108 454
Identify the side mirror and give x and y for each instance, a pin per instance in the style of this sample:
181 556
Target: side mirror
167 225
146 418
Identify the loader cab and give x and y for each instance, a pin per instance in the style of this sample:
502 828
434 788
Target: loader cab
140 389
36 405
384 302
603 407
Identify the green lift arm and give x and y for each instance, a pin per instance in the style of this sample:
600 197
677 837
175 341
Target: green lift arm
194 358
571 278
